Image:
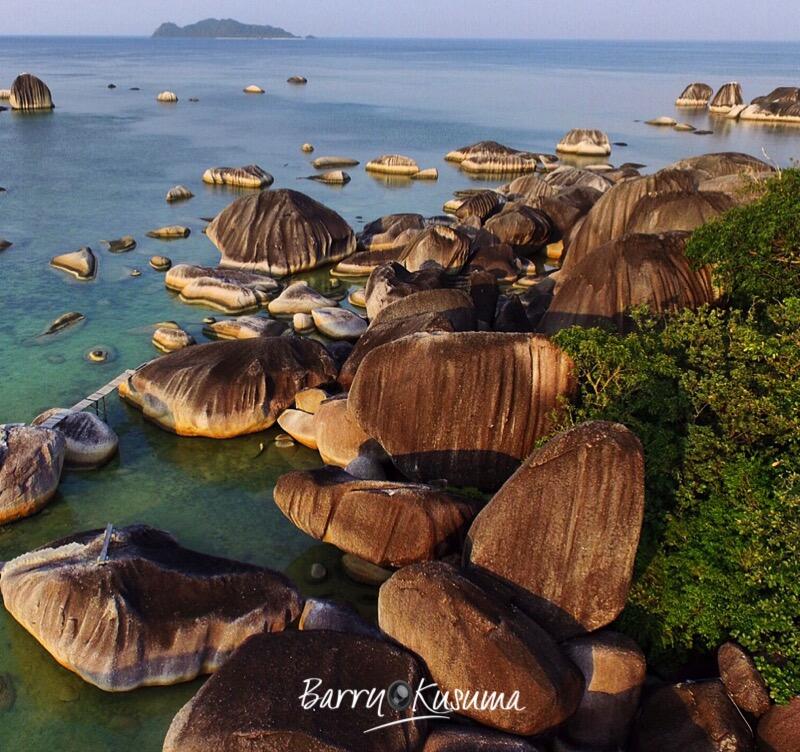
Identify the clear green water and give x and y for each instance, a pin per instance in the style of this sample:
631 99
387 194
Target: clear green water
99 167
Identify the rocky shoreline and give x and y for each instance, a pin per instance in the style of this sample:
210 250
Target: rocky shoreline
502 544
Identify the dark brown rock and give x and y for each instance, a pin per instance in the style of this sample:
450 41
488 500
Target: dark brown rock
465 407
255 702
321 614
567 208
520 226
779 728
280 232
723 163
30 93
392 281
445 246
481 205
742 679
226 389
564 529
691 717
386 523
391 231
675 212
471 642
649 270
153 613
614 668
475 739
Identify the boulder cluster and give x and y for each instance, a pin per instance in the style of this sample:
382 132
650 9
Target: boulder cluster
781 105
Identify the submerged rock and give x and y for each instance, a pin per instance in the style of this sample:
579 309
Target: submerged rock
89 442
297 80
576 507
170 232
663 121
695 95
64 321
280 232
179 193
332 177
30 93
585 142
81 264
227 389
181 613
121 245
5 244
393 164
249 176
253 89
256 697
492 649
31 459
473 430
383 522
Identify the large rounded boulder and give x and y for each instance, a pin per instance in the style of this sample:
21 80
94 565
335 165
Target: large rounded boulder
472 642
384 522
31 460
585 142
227 389
465 407
269 697
142 610
280 232
675 212
695 95
446 246
650 270
392 281
90 442
30 93
564 529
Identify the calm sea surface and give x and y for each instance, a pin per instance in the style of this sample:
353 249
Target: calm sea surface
98 167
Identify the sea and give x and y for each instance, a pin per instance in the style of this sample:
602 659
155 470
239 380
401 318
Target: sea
99 166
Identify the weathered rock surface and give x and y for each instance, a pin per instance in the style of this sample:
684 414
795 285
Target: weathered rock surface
339 437
649 270
472 430
319 614
393 164
613 667
280 232
301 426
121 245
566 176
695 95
324 163
723 163
245 327
564 529
30 467
160 263
728 97
170 232
493 648
383 522
779 728
81 263
391 231
445 246
520 226
153 613
338 323
585 142
742 680
89 442
482 205
64 321
392 281
474 739
249 176
226 389
331 177
167 97
179 193
299 297
691 717
29 93
171 338
253 703
675 212
229 290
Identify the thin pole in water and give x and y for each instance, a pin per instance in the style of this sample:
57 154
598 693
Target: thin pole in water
103 558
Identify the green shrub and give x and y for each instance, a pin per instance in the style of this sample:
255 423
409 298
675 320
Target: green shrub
714 395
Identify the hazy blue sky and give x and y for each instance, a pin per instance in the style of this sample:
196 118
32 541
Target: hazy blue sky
616 19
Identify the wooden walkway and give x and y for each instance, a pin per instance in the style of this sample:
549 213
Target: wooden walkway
94 400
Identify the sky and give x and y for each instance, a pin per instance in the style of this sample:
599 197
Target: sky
532 19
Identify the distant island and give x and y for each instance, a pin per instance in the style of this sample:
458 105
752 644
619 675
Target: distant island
223 28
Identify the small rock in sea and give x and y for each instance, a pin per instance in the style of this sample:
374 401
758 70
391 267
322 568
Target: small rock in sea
64 321
121 245
169 233
29 474
90 442
703 133
81 264
620 143
170 339
322 163
30 93
209 320
136 273
179 193
585 142
297 80
664 120
358 298
5 244
167 96
318 572
307 148
687 127
8 695
98 355
249 176
160 263
5 94
253 89
56 359
112 86
332 177
284 441
134 88
393 164
244 327
193 99
364 572
430 173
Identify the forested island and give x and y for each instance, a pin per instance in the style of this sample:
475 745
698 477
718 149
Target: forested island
220 28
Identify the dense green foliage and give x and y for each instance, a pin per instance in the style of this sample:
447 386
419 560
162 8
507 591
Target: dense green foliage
714 395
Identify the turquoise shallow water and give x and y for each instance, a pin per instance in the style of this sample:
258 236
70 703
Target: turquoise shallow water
99 167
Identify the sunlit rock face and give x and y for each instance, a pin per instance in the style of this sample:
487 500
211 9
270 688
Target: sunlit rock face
280 232
30 93
695 95
152 613
227 389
